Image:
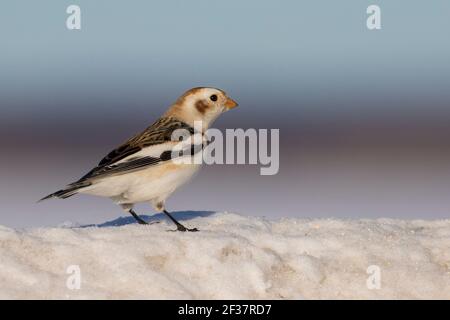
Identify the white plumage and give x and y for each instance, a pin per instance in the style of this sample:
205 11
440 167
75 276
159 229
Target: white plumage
144 169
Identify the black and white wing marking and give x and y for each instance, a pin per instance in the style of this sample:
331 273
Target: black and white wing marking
151 147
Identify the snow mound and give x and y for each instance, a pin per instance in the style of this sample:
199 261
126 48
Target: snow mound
232 257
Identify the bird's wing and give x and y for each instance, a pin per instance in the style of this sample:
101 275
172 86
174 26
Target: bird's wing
151 147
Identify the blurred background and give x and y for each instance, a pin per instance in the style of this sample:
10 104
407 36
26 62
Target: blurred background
364 116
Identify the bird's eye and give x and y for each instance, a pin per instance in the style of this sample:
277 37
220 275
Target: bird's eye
213 97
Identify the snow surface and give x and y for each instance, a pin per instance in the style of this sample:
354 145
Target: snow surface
232 257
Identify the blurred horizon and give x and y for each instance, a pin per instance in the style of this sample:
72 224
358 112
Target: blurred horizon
364 116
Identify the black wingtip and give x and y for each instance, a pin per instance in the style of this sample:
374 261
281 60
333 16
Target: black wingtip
46 197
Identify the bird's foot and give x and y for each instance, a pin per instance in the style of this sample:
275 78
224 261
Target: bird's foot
182 228
147 223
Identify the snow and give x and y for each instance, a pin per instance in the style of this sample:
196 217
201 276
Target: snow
232 257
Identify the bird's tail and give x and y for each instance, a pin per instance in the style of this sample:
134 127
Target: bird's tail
67 192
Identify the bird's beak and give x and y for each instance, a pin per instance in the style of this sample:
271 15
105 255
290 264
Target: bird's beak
230 104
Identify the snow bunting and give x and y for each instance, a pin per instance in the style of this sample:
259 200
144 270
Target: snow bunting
141 169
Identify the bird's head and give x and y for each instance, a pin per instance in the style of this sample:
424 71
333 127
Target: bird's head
201 104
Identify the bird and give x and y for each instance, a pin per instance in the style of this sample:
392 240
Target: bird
142 169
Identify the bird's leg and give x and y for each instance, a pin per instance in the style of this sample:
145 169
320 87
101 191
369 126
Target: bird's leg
139 219
180 227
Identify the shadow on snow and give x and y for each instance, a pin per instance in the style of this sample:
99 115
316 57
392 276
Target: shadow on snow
179 215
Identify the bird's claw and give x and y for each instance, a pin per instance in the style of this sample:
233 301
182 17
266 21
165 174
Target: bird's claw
184 229
143 222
